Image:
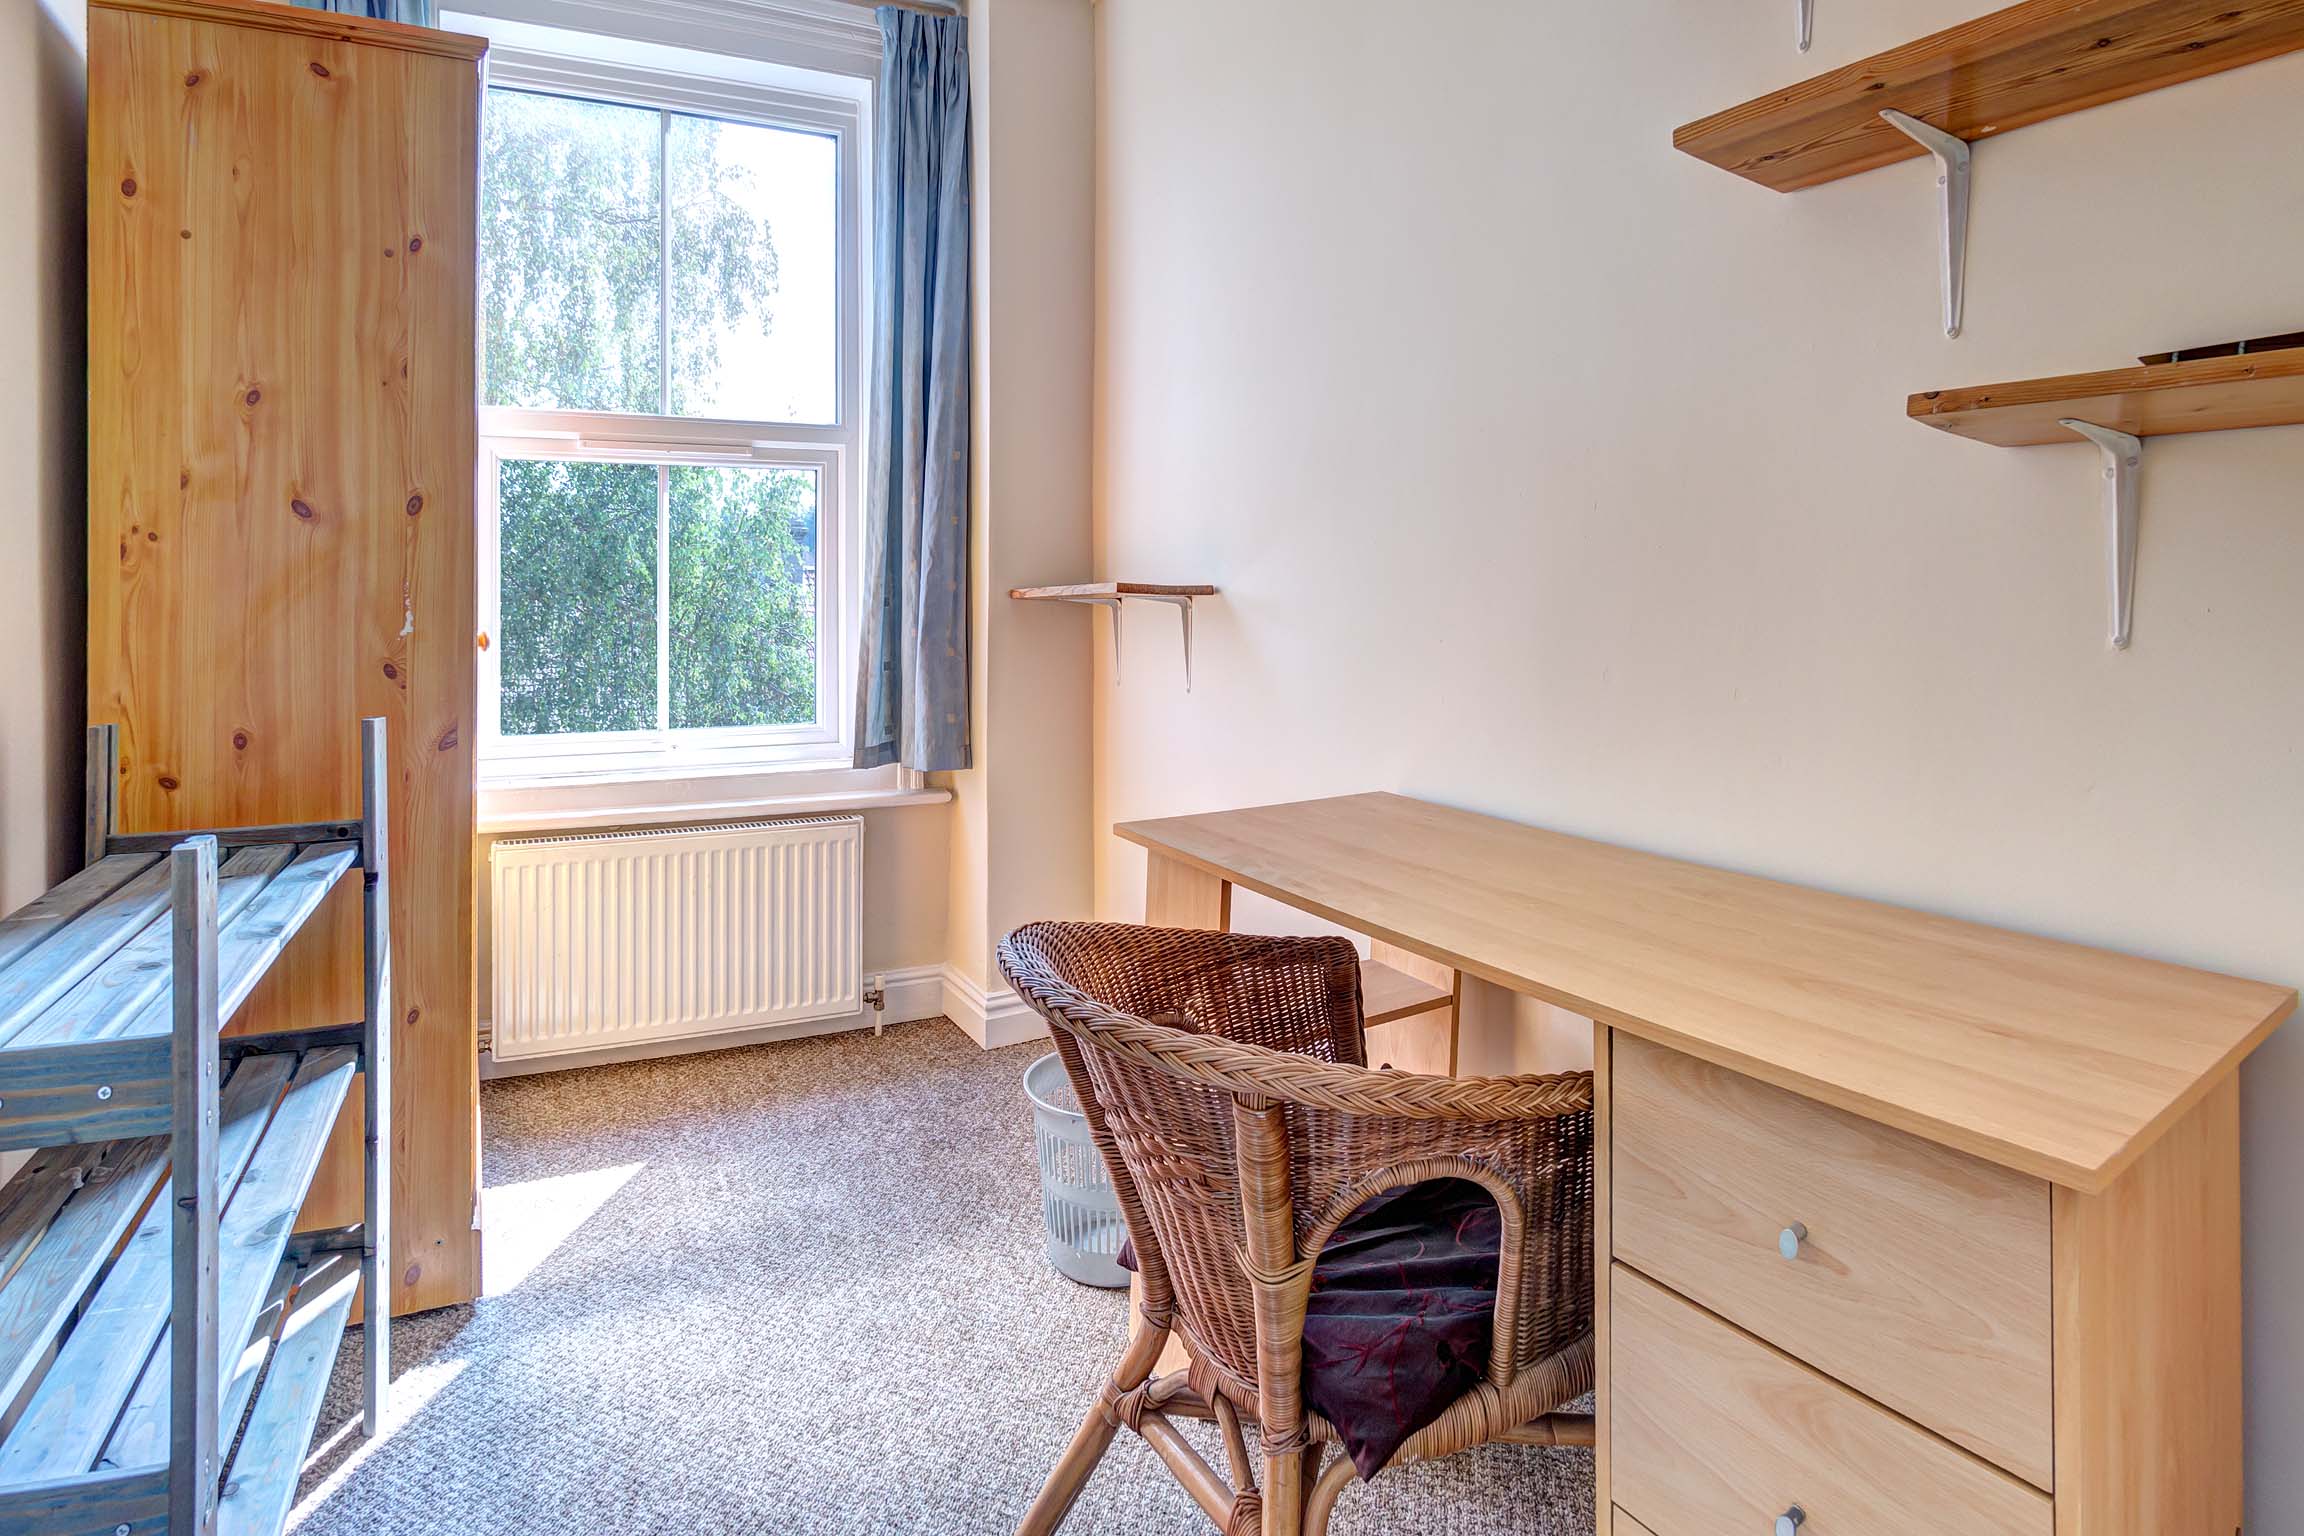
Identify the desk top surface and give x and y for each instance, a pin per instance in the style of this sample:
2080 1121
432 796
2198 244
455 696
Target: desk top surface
2053 1058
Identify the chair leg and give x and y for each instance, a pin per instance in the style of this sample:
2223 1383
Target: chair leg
1094 1437
1322 1503
1062 1489
1284 1494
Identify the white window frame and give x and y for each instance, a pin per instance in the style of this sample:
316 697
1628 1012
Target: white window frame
771 96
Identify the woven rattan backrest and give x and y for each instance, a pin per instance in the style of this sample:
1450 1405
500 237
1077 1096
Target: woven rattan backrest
1173 1136
1165 1031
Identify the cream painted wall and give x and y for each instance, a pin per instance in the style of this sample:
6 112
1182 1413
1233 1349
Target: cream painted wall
43 520
1021 818
1552 473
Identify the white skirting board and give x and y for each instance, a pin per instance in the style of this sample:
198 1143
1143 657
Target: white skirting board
991 1019
913 992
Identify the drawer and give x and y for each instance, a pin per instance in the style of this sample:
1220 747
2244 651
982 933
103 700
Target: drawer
1712 1433
1923 1280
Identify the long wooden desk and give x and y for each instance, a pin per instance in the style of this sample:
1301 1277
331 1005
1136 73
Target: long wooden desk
1900 1220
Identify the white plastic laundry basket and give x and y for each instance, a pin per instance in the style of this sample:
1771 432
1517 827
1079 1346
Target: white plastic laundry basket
1076 1196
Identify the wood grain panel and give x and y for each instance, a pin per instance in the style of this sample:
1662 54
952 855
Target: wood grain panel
1923 1281
1603 1244
2051 1058
2015 67
1176 895
2209 394
281 257
1715 1432
1410 1004
2148 1341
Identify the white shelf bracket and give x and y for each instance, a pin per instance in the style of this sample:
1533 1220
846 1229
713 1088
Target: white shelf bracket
1954 173
1184 615
1112 603
2123 473
1118 604
1806 33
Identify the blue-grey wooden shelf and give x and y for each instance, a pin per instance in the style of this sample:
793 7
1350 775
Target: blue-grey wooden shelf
165 1339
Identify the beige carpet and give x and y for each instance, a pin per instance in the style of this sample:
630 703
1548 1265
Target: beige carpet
790 1288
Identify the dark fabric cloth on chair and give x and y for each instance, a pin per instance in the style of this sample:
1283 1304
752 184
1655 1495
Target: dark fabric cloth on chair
1403 1303
1402 1307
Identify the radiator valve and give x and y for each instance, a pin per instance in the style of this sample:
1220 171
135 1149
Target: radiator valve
876 997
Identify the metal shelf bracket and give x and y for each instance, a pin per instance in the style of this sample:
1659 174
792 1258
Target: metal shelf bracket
1954 173
2123 472
1183 615
1807 23
1118 603
1112 603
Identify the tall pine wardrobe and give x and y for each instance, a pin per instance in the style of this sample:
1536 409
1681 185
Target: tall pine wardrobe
281 226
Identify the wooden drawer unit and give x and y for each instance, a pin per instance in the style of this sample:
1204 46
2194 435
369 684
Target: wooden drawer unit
1713 1432
1916 1274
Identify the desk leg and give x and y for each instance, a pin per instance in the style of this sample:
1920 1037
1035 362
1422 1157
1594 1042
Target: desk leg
1602 1243
1178 895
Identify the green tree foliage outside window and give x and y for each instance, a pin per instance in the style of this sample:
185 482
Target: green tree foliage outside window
743 596
573 277
577 626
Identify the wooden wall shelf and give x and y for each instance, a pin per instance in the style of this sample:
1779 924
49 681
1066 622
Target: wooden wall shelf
1090 591
2116 411
1111 594
2013 68
2210 394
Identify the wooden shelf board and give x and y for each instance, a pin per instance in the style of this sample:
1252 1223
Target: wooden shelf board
1388 994
260 1488
93 966
2013 68
131 1413
2212 394
1105 589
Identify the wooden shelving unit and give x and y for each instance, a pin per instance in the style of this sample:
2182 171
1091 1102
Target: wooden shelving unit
1111 594
165 1340
2013 68
2210 394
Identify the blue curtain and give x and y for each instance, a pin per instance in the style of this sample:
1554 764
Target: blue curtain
417 13
912 681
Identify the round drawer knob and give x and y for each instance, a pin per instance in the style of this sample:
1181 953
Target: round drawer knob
1788 1244
1789 1522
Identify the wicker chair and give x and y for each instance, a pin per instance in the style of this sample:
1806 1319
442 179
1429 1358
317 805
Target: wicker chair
1222 1076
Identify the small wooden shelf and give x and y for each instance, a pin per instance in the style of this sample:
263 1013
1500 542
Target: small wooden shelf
2211 394
1089 590
1112 594
1388 994
2013 68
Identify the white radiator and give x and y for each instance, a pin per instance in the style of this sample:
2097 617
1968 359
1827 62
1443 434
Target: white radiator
640 936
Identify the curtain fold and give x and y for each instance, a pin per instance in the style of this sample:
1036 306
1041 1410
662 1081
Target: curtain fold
912 674
417 13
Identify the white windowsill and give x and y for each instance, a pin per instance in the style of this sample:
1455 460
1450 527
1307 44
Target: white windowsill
515 808
495 823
